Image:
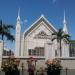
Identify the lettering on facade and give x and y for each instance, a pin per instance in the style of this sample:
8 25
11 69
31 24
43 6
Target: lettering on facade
42 35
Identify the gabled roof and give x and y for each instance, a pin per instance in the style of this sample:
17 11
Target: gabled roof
42 18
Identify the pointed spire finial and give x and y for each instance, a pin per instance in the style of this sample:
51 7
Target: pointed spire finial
64 17
19 12
18 18
65 29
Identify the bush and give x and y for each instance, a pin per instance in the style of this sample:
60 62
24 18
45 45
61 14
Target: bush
53 67
10 67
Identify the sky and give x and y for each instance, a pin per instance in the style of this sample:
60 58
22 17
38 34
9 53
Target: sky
31 10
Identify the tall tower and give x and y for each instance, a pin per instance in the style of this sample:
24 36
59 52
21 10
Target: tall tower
65 29
65 45
18 36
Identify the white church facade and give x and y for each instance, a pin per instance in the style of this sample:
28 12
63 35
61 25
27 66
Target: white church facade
36 41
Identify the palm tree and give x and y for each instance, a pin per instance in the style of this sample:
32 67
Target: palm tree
59 36
5 31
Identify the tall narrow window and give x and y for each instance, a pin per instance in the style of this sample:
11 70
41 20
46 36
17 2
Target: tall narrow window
29 52
56 54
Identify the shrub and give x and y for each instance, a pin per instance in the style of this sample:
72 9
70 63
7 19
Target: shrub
10 67
53 67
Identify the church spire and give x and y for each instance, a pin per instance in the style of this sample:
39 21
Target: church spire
18 18
65 29
64 17
18 36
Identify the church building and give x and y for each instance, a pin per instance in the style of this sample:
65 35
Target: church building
36 41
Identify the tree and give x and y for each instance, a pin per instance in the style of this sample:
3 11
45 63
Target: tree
10 66
59 36
5 30
53 66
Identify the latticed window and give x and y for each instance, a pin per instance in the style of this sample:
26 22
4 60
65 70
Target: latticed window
72 49
38 51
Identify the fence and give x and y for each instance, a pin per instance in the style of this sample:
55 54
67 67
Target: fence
63 72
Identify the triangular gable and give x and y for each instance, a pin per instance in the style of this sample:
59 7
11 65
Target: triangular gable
42 18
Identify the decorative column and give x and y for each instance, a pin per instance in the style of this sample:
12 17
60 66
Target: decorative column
46 51
49 51
65 49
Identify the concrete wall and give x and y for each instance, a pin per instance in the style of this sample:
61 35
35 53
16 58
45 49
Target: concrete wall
65 62
68 62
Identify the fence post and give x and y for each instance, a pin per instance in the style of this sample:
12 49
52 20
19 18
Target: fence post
66 71
22 68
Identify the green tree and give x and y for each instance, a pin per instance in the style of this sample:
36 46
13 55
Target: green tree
59 35
5 31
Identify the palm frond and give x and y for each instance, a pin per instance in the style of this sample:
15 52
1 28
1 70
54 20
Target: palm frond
8 26
9 36
54 33
54 38
66 36
5 30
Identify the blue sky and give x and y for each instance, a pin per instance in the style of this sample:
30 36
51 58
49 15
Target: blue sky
31 10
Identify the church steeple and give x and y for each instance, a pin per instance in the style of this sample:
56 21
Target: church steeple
18 18
18 36
65 29
18 25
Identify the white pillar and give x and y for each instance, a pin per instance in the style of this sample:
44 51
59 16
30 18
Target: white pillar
49 54
22 46
65 50
46 51
1 52
53 50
